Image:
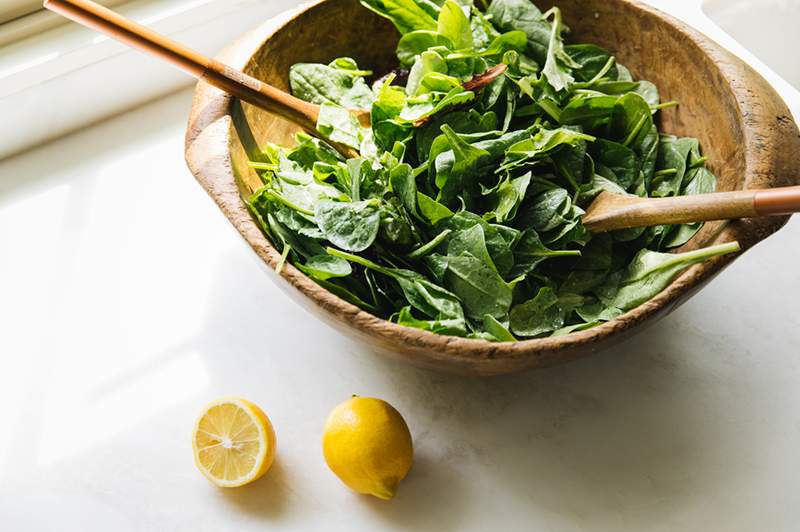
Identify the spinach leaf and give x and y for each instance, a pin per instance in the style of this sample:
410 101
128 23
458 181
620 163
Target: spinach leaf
620 161
631 120
511 40
700 181
351 226
529 252
499 239
650 272
464 170
558 63
478 286
423 295
451 327
406 15
543 313
432 210
454 25
591 60
590 112
522 15
402 182
499 332
337 124
325 266
509 196
673 156
325 84
415 43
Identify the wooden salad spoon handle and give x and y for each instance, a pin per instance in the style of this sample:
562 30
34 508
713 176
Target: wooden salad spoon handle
230 80
213 72
611 211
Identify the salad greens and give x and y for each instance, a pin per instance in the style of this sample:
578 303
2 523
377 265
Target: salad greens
462 215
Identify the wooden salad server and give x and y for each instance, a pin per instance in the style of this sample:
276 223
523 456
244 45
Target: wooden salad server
611 211
213 72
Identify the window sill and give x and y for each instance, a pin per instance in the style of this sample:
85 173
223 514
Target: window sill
68 76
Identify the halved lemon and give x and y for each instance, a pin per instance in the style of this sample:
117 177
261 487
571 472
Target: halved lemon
233 442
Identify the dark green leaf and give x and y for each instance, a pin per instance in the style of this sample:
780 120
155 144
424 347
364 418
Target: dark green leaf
351 226
406 15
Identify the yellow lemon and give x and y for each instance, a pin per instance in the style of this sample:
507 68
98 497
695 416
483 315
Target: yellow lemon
367 444
233 442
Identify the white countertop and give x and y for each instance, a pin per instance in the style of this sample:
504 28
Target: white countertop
127 302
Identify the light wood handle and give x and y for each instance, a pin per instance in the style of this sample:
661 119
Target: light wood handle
785 200
228 79
615 211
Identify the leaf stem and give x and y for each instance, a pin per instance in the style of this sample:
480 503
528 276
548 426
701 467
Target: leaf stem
274 195
635 131
664 105
665 172
698 162
357 259
603 71
262 166
428 247
703 253
550 108
286 249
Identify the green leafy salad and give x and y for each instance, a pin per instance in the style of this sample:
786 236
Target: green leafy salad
462 214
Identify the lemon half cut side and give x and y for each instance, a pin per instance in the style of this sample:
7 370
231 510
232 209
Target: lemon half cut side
233 442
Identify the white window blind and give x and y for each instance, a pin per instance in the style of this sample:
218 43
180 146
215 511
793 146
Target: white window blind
56 80
11 9
22 18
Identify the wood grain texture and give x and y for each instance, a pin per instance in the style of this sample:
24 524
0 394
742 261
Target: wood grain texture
744 128
609 212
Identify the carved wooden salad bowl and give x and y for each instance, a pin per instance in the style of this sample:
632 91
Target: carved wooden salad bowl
745 129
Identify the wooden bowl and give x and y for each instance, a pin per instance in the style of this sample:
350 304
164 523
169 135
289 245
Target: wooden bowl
744 128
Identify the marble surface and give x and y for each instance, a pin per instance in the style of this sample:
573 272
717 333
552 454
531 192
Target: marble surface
127 302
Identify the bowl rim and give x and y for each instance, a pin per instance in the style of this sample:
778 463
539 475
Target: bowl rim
212 110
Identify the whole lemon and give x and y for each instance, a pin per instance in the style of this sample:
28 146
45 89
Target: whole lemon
367 444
